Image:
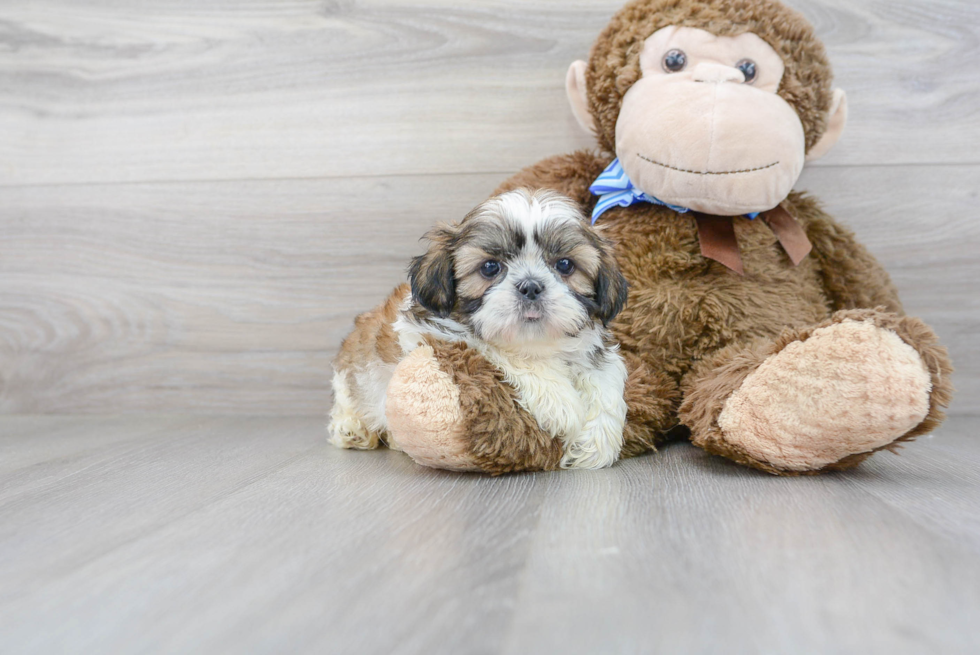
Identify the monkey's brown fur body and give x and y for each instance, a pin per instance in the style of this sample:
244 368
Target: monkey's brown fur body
703 345
692 330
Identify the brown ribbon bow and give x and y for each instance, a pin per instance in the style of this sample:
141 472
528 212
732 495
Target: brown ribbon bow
717 237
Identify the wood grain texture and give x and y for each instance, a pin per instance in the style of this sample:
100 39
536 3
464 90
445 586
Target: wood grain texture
251 535
218 297
160 90
197 197
233 297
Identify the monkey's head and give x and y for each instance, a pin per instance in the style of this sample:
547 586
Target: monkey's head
709 104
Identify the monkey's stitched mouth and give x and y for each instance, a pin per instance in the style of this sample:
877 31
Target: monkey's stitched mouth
683 170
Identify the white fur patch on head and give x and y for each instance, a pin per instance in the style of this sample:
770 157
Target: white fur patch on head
531 210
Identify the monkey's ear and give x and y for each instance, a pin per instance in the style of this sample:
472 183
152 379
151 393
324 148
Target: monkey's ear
578 95
835 126
431 275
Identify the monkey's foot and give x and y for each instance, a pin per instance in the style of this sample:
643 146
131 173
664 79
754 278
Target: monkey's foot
851 387
449 408
424 415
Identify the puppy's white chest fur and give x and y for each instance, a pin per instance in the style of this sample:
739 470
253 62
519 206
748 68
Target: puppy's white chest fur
547 388
575 392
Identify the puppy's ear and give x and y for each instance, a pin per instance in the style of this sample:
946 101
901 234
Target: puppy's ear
611 288
431 275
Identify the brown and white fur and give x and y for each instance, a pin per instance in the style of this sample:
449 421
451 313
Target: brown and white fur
526 282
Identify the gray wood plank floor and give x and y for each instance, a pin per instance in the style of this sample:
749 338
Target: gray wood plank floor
252 535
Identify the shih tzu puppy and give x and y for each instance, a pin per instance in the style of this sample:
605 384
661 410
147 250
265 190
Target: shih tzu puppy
525 281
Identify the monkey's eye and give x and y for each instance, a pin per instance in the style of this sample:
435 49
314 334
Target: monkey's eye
565 266
490 269
674 61
747 66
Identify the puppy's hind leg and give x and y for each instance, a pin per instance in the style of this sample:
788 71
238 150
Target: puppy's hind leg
347 429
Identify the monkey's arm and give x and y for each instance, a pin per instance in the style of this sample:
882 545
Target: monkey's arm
570 174
448 407
852 277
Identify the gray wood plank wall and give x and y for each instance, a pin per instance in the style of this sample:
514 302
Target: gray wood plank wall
196 197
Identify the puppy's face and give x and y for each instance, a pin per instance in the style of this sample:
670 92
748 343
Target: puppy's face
521 267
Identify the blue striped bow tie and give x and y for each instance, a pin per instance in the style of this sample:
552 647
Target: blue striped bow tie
614 188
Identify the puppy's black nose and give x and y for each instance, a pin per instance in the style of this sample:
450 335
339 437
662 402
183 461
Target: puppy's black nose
530 289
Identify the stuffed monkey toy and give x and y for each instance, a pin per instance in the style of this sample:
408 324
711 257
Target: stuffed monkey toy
756 325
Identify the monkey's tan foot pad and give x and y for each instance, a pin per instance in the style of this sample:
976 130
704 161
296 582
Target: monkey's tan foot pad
423 412
850 388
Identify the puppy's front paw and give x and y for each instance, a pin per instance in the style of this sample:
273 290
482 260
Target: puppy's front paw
600 442
563 421
596 447
580 456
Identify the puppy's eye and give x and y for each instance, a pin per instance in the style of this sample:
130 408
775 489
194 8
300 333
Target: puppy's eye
565 266
490 269
674 61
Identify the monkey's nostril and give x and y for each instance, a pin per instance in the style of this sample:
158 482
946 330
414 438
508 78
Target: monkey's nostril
530 289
